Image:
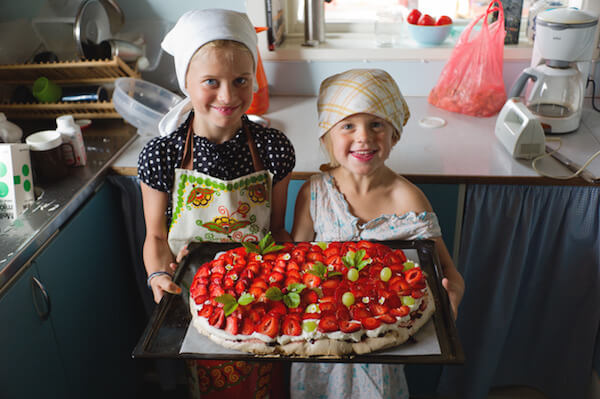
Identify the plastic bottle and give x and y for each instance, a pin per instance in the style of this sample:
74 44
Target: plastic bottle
260 99
71 133
535 9
9 132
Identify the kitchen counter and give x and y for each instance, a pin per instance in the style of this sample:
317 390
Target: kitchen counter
22 238
465 150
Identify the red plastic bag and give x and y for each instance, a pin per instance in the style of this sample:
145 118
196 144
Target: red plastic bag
471 82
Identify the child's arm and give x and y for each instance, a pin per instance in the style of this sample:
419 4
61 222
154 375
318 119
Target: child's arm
278 205
303 229
452 281
157 254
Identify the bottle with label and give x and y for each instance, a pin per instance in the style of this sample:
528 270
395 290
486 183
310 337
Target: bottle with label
538 7
9 132
71 134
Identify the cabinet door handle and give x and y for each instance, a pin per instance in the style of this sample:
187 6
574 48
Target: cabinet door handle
37 286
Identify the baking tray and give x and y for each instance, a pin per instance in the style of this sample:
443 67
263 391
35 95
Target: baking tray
167 327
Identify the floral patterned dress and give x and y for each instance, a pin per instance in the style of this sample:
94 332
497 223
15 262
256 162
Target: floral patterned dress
334 222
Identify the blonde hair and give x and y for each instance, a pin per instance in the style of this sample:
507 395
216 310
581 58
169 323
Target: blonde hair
328 146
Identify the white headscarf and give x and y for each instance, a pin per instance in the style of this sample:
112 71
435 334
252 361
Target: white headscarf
193 30
371 91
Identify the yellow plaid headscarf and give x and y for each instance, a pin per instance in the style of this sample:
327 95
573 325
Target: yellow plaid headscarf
371 91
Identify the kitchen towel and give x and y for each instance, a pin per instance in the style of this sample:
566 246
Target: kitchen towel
193 30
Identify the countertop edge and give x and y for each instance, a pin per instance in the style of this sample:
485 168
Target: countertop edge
43 237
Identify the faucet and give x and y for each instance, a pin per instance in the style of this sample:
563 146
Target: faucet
314 22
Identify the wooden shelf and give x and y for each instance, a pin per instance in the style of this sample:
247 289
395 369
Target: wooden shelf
88 72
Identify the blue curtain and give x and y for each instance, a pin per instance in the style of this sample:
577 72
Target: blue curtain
531 311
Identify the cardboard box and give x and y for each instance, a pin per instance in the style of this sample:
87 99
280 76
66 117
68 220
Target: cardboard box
16 181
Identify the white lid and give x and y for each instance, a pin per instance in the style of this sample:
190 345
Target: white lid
44 141
566 16
65 121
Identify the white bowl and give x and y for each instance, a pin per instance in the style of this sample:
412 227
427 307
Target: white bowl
429 35
142 104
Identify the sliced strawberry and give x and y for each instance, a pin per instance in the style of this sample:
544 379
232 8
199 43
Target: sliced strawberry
329 286
198 299
203 271
229 283
392 257
311 280
294 273
400 312
275 277
215 290
298 255
387 319
359 313
396 268
269 325
291 326
413 276
292 265
216 278
327 306
393 301
370 323
331 251
349 326
348 246
260 283
279 269
342 313
247 273
311 316
377 309
241 286
198 289
291 280
398 283
277 308
256 292
315 257
328 324
375 269
206 311
217 318
417 294
254 267
309 296
303 245
231 326
270 257
327 299
247 326
219 262
219 269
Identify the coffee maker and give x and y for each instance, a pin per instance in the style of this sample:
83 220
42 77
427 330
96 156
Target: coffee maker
560 66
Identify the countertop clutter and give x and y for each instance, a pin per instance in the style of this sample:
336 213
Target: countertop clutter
55 203
463 150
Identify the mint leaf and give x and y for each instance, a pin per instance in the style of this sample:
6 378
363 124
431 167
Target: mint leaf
318 269
229 308
251 247
332 274
274 294
291 300
348 259
225 299
359 256
272 248
245 299
296 287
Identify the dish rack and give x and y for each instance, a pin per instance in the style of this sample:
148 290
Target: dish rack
87 72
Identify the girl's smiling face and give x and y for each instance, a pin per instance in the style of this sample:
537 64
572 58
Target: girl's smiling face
219 83
361 142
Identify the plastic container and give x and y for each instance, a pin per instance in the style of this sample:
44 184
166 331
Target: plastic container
142 104
535 9
9 132
71 134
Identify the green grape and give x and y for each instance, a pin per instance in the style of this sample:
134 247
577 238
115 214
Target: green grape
309 326
409 264
385 274
408 300
348 299
352 274
312 308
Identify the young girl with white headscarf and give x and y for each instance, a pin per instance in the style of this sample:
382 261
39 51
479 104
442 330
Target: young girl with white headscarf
361 117
213 175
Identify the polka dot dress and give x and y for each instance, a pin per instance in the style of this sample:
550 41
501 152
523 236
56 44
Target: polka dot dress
229 160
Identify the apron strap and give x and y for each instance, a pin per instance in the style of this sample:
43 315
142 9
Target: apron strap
188 160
